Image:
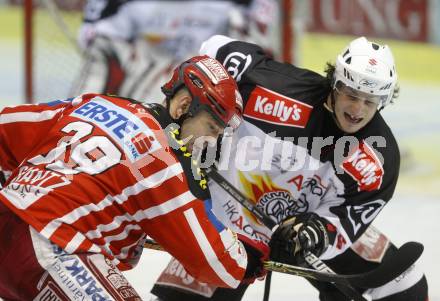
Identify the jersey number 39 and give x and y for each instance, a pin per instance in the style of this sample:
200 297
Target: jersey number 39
71 156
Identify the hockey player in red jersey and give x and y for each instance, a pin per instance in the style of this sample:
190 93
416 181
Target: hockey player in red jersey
86 184
325 163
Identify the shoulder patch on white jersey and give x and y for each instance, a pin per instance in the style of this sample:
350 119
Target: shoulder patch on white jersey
129 131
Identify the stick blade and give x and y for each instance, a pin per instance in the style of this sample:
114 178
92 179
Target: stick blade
392 267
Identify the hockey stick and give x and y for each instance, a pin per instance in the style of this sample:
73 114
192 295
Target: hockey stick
267 282
268 222
386 272
239 197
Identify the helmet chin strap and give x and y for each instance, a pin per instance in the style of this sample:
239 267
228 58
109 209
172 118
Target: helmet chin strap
179 121
182 118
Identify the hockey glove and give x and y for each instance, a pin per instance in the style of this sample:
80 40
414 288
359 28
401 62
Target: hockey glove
257 253
298 235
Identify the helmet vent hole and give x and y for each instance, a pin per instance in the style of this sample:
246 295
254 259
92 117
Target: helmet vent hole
347 75
348 61
391 73
375 46
346 52
196 81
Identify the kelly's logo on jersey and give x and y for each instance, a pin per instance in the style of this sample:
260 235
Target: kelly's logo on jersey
272 107
365 167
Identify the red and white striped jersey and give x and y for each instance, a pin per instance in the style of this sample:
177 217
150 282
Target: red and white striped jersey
19 136
100 177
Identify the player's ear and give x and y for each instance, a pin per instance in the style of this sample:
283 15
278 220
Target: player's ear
180 103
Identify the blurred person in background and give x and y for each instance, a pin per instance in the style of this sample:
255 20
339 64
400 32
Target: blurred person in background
130 47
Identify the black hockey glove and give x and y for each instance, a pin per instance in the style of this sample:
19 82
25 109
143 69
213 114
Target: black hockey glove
299 235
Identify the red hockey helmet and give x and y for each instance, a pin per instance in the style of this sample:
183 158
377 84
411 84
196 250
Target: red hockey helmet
211 87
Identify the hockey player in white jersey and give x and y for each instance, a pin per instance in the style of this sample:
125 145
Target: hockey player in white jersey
316 156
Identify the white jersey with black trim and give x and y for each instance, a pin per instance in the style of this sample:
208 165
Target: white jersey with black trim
289 156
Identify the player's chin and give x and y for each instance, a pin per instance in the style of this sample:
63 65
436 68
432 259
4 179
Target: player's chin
351 128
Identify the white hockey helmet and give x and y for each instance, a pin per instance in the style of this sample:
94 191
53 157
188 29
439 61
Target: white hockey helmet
367 67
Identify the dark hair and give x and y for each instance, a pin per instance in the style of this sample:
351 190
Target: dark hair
329 71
